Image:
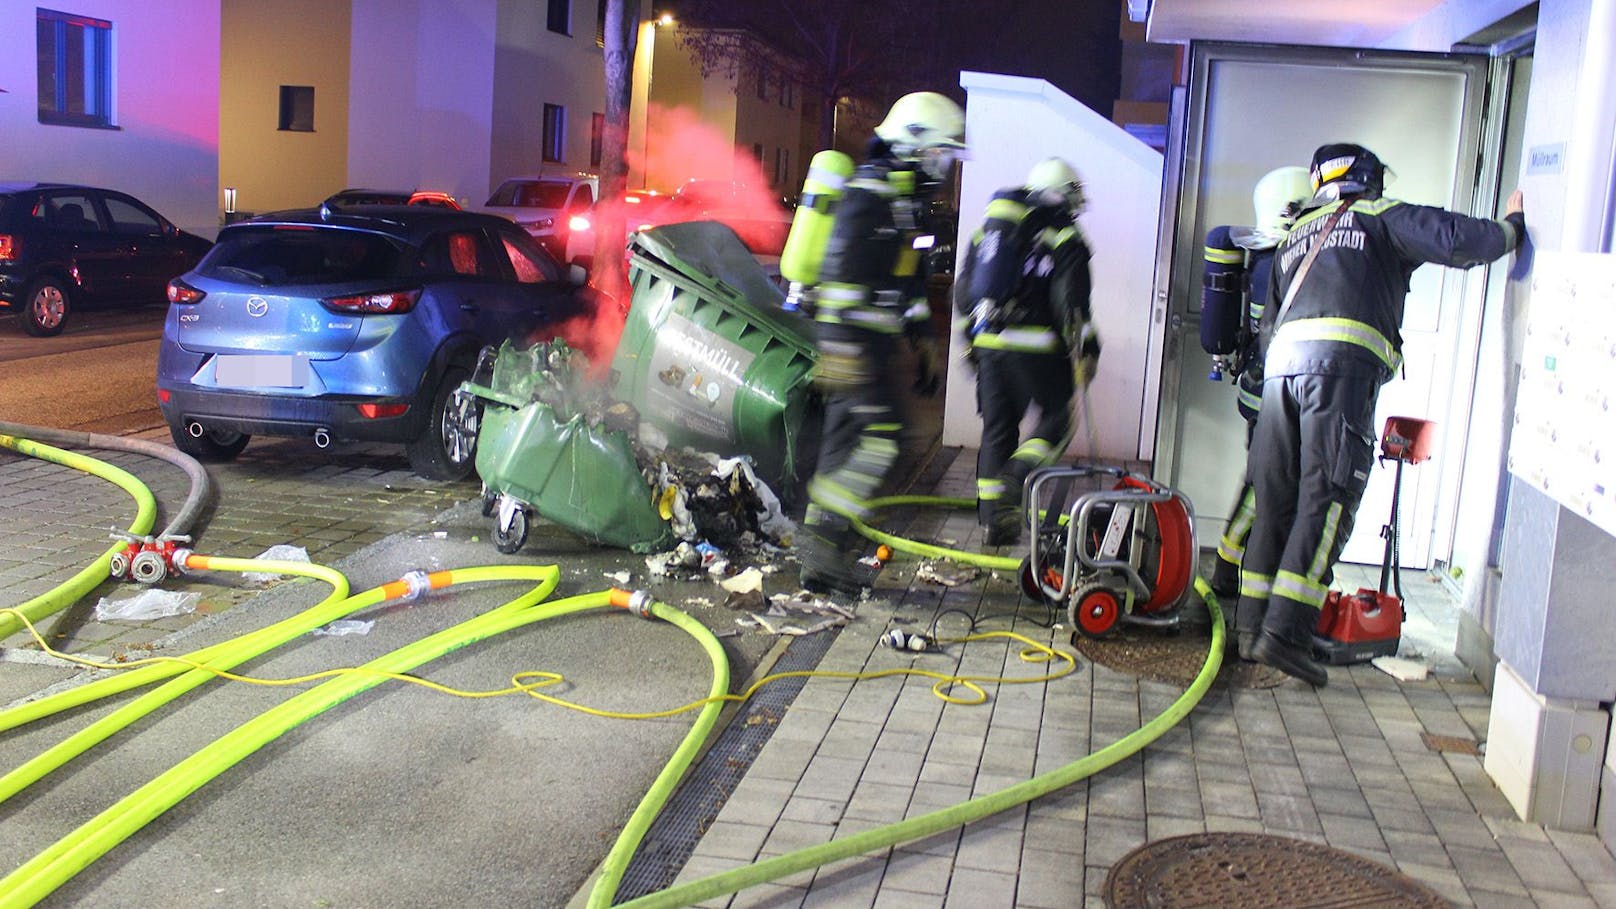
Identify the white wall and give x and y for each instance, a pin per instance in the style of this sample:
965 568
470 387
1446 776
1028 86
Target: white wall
421 95
165 150
534 66
1011 123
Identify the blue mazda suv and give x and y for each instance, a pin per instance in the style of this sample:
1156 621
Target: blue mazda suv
356 325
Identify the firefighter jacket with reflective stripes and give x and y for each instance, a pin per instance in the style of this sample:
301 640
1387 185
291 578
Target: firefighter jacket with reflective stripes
872 275
1024 285
1346 315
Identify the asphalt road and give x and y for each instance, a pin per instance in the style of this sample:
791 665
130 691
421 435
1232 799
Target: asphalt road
98 375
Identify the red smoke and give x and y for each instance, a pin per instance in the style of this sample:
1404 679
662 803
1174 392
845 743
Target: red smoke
704 176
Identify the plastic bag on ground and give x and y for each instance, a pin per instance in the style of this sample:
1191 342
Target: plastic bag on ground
146 605
280 552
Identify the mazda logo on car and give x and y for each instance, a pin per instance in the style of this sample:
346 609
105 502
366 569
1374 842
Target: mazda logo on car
257 306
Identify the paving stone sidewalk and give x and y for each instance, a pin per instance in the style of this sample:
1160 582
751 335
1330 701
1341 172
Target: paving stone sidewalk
1350 766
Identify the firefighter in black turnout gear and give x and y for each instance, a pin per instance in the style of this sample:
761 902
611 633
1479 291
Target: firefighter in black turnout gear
1336 301
871 295
1239 261
1021 299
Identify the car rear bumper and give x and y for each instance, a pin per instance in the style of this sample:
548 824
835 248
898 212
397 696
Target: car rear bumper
263 415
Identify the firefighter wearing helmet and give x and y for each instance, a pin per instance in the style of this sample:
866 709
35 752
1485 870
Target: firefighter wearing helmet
1239 261
1021 300
1336 303
871 296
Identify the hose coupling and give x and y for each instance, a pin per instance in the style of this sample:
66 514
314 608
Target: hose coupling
416 583
179 557
639 603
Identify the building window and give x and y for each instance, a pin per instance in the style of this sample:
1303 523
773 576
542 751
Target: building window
763 83
788 93
297 108
782 167
757 152
75 69
600 25
597 139
560 18
555 132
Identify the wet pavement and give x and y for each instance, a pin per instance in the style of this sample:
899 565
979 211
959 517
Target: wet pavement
408 797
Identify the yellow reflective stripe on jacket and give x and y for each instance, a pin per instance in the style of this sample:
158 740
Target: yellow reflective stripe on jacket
1054 238
1343 331
1006 210
1224 256
1020 339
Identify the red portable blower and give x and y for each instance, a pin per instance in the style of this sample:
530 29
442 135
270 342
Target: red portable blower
1355 628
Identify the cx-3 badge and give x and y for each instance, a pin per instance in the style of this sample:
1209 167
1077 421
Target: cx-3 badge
257 306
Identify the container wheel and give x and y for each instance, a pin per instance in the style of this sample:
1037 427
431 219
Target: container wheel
1094 610
1039 586
508 539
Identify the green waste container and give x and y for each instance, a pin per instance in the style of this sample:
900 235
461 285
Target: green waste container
534 450
708 356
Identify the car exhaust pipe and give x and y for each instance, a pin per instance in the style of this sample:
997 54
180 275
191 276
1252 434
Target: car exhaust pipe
322 438
194 429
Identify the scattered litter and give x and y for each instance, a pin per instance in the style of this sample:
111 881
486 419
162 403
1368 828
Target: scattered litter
747 601
621 577
731 633
748 581
280 552
148 604
1400 669
440 535
699 601
343 627
946 574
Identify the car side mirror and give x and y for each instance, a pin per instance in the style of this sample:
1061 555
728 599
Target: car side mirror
577 275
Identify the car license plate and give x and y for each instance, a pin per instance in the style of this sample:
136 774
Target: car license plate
261 370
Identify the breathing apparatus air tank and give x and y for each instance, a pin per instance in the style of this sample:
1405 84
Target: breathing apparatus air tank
1223 301
804 251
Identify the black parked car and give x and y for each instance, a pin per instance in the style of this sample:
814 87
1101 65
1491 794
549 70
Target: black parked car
63 246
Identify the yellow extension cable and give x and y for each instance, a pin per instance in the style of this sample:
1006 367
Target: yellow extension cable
530 682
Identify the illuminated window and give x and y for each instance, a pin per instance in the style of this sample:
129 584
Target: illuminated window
297 108
75 69
597 139
555 132
600 24
560 18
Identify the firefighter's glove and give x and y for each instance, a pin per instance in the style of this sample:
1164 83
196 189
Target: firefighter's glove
840 368
928 366
1083 369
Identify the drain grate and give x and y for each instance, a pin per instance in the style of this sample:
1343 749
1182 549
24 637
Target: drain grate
1175 658
674 834
1256 871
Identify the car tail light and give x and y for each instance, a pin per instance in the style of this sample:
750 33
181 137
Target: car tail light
8 247
164 394
578 223
392 301
373 411
180 292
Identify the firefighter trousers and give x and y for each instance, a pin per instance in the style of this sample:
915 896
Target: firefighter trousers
1309 463
863 426
1008 383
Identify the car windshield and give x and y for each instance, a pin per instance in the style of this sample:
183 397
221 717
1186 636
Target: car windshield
290 256
530 194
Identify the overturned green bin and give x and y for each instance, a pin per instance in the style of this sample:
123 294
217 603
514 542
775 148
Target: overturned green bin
709 357
536 450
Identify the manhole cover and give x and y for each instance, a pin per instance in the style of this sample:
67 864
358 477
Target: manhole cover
1168 657
1255 871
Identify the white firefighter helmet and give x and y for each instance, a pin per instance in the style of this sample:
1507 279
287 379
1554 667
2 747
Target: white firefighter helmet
1058 182
1278 198
926 128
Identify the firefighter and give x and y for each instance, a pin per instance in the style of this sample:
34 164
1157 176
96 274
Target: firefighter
1239 261
871 294
1336 304
1022 301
